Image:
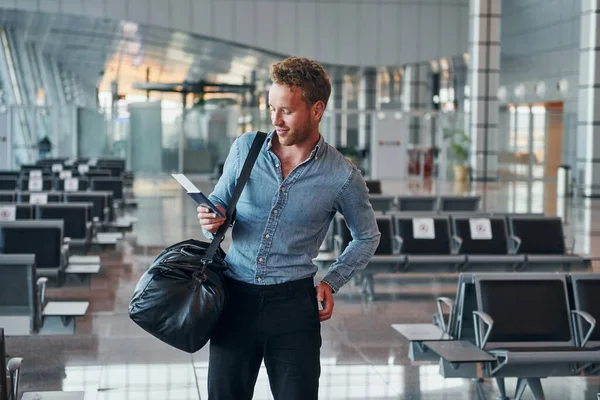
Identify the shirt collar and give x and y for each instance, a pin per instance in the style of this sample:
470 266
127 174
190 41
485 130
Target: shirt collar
316 153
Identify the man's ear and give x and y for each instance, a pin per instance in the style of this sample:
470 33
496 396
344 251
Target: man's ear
318 109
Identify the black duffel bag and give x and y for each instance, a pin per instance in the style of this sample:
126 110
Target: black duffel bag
181 297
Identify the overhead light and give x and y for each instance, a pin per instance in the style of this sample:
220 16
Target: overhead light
130 29
562 86
502 93
540 89
467 58
444 64
519 90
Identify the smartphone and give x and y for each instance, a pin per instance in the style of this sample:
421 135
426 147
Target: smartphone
196 194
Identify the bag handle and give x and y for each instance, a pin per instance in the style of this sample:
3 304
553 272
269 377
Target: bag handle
239 187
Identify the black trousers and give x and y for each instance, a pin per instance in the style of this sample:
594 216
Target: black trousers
277 323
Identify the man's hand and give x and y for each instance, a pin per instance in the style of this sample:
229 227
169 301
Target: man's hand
325 296
209 220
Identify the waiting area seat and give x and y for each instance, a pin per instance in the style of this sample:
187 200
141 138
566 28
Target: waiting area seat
541 240
527 326
417 203
24 307
386 259
45 239
77 219
427 244
456 243
381 202
485 243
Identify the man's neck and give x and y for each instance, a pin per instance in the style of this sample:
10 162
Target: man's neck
298 152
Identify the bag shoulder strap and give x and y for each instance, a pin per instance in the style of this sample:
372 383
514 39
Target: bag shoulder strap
259 139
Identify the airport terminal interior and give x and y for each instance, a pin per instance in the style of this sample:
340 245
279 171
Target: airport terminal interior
472 122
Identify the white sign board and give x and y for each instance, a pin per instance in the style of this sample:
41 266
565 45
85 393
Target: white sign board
35 173
38 198
71 185
35 184
57 167
65 174
8 213
423 228
83 168
481 228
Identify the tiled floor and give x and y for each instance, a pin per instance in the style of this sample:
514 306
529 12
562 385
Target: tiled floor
362 357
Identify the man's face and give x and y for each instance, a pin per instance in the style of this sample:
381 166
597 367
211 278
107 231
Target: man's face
290 115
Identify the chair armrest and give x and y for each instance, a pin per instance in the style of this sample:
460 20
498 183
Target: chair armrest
106 215
480 337
41 302
450 303
397 244
587 318
41 287
89 231
65 254
14 372
457 243
516 243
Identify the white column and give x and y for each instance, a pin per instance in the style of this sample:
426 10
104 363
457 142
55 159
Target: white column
416 95
367 103
337 104
484 80
588 115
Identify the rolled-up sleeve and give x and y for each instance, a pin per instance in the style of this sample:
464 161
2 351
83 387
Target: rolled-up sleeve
353 203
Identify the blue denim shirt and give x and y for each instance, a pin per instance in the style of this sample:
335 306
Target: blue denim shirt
280 224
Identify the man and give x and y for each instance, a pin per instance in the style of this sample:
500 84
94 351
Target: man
297 185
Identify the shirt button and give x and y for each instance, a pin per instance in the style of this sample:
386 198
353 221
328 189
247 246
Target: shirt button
276 165
267 235
260 260
275 211
259 279
283 189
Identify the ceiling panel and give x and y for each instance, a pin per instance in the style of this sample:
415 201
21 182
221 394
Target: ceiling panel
106 50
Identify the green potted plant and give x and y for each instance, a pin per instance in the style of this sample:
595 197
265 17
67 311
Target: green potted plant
460 143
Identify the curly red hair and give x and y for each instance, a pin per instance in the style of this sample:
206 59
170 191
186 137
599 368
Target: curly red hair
307 75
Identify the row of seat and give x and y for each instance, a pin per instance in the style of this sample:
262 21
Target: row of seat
387 203
527 326
103 201
459 243
116 166
104 183
79 226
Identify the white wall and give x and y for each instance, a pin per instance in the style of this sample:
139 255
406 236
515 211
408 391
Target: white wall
344 32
